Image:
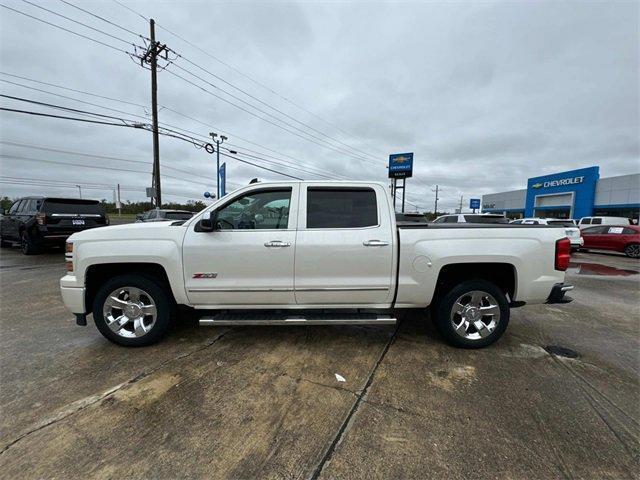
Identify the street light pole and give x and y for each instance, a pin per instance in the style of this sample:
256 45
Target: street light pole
79 190
218 143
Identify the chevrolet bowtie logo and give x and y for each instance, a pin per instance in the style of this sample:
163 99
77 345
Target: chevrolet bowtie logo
536 185
401 159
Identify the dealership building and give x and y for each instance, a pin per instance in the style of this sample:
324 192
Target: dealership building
573 194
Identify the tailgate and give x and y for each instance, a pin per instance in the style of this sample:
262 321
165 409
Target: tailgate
72 215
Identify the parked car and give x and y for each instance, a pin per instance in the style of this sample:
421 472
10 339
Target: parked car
472 218
588 221
36 222
299 248
163 215
618 238
573 232
411 217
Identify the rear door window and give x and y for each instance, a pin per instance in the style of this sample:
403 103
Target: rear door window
596 221
72 206
594 230
341 207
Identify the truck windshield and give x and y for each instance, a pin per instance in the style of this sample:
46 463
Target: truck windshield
72 205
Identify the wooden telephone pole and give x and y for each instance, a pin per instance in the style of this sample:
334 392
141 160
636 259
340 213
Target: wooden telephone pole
150 57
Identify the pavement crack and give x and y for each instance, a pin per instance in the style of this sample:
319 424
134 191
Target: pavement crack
360 398
83 403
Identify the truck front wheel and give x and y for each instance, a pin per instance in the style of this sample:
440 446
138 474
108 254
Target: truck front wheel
473 314
132 310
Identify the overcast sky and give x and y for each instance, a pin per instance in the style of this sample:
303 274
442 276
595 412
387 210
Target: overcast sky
485 94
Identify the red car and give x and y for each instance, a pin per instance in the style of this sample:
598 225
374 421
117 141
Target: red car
619 238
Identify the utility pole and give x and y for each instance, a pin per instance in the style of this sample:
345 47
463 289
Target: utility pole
119 204
435 208
461 203
153 52
150 57
218 143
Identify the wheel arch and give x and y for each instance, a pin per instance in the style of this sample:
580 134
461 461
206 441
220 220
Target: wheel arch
97 274
502 274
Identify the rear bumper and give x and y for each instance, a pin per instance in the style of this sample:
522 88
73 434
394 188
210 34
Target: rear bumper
576 242
558 291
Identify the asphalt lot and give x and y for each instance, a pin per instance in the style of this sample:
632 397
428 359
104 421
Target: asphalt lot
264 402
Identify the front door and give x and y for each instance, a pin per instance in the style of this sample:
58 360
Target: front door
248 259
344 249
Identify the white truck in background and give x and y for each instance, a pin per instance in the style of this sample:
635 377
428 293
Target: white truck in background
308 247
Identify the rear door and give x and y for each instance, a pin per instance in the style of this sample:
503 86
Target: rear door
344 247
593 237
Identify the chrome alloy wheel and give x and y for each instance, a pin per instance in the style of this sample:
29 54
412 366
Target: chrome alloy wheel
129 312
475 315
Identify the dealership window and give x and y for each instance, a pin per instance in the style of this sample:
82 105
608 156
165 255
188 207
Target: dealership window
341 207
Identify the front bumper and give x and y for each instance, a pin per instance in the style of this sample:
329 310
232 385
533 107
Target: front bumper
72 294
558 291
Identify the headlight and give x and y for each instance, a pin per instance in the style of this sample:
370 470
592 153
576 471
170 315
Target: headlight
69 248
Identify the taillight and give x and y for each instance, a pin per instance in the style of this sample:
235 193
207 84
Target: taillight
563 254
41 218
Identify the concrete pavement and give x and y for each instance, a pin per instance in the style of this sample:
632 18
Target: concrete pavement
264 402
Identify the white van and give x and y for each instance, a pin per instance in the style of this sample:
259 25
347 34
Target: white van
588 221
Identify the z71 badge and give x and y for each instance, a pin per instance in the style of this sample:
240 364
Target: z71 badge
205 275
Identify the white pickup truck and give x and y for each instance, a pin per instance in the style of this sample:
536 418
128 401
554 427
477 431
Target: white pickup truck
290 252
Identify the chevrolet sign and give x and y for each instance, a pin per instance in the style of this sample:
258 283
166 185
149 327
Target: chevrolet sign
559 183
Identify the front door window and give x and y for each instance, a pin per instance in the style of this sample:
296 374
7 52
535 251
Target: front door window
263 210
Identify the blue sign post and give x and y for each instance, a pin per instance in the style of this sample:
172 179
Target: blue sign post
401 165
474 203
222 174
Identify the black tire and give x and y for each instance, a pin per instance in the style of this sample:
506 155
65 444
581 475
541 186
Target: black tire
28 244
159 294
443 311
632 250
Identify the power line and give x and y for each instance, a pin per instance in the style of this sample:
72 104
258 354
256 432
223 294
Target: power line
248 77
329 146
102 18
76 21
102 157
63 28
261 155
270 106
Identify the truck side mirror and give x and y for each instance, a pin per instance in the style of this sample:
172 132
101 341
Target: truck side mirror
208 221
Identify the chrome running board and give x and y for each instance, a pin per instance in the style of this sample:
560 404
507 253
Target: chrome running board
293 318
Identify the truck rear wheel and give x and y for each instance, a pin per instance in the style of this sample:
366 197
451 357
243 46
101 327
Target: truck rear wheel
132 310
473 314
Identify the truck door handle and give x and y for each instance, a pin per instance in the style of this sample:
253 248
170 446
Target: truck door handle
375 243
276 244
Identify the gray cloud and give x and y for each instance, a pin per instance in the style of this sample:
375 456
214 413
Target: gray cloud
485 94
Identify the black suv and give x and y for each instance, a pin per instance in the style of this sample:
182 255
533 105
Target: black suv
39 221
